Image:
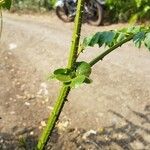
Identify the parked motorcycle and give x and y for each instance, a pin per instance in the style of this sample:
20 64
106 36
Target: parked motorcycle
93 11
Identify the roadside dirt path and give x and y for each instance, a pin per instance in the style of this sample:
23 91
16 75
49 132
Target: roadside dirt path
117 101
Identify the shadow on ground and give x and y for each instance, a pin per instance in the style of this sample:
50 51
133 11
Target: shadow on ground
130 136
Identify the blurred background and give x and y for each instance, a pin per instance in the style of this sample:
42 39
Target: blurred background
115 10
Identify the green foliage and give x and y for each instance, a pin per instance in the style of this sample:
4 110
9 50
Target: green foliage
124 10
5 4
73 78
34 5
52 3
100 38
110 38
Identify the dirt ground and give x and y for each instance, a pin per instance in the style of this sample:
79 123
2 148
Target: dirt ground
113 113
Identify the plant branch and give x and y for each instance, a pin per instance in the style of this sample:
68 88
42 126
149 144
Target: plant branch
76 35
64 91
101 56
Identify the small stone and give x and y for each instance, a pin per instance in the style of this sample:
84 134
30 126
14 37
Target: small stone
43 123
12 70
1 141
27 103
50 108
63 125
88 133
18 83
120 136
47 99
12 46
24 124
31 133
19 96
12 112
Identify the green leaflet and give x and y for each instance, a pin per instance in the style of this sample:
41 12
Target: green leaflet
88 80
83 68
133 29
62 71
77 81
138 38
99 38
121 37
63 75
87 40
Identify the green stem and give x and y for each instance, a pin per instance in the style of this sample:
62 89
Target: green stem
101 56
76 34
64 91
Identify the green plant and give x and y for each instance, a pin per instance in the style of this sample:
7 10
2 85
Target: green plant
33 5
76 73
64 90
124 10
52 2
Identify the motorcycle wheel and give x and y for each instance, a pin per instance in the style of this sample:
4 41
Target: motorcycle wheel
62 14
96 14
